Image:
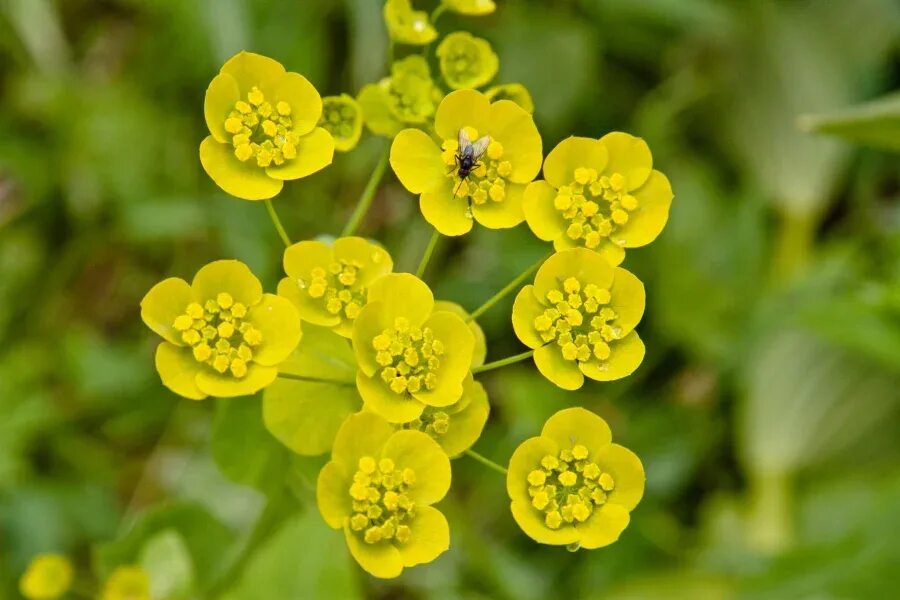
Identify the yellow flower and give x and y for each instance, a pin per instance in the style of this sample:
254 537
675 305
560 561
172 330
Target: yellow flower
224 337
379 488
48 576
480 351
410 355
305 415
327 283
580 316
492 193
599 194
572 485
408 26
262 124
515 92
456 427
471 7
408 97
127 583
342 118
466 61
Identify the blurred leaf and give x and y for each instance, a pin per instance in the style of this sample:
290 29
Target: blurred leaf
167 561
875 123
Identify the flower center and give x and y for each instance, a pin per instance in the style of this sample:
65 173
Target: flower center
218 335
412 95
595 206
262 132
578 320
568 487
409 357
434 422
485 183
334 288
338 117
381 508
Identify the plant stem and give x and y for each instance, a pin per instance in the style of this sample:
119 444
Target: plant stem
341 382
512 285
437 12
368 194
485 461
277 222
502 362
429 251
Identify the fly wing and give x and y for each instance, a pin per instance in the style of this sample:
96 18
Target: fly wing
480 146
463 139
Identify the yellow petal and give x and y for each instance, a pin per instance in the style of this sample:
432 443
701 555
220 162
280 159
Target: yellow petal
462 108
504 214
570 154
178 370
525 309
467 424
279 323
403 295
408 26
446 393
163 303
572 426
627 472
445 213
554 367
417 161
612 253
628 299
480 351
48 576
430 537
231 276
315 151
373 260
371 322
242 180
514 127
304 99
249 70
377 398
514 92
629 156
645 224
224 385
603 527
379 560
301 258
418 451
377 115
543 219
332 495
626 356
526 457
585 265
362 434
471 7
221 95
311 310
531 521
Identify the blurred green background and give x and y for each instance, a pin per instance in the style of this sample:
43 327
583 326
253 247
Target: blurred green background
766 410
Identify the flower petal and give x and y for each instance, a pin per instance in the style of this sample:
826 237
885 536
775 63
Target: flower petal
467 424
627 473
504 214
371 321
531 521
395 408
362 434
648 220
526 309
446 213
479 353
230 276
415 450
603 527
429 539
611 253
163 303
576 425
242 180
462 108
417 162
279 323
372 260
221 95
628 155
514 127
564 373
310 309
178 370
585 265
305 101
459 344
627 299
250 69
379 560
376 111
315 151
332 494
225 385
570 154
526 457
544 220
403 295
626 356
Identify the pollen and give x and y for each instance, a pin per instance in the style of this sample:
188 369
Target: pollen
410 357
582 487
262 132
336 289
595 207
382 509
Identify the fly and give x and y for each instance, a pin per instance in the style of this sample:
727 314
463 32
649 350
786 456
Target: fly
468 155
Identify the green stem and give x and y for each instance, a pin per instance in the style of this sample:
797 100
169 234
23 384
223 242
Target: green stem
437 12
512 285
502 362
770 517
341 382
429 251
485 461
277 222
368 194
793 245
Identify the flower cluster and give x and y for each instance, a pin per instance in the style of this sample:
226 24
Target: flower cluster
51 576
381 375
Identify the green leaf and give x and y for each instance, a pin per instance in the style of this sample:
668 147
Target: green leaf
875 123
167 561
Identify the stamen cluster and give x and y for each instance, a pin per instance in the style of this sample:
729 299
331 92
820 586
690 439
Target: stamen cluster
410 356
338 117
335 287
595 206
381 507
262 132
434 422
488 181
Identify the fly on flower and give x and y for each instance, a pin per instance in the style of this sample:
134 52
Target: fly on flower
468 155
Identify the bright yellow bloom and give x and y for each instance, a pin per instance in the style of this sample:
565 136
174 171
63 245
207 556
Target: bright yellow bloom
407 98
572 485
599 194
305 415
408 26
379 488
466 61
224 337
127 583
342 118
471 7
515 92
262 124
456 427
480 351
410 355
580 316
492 193
328 283
47 577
